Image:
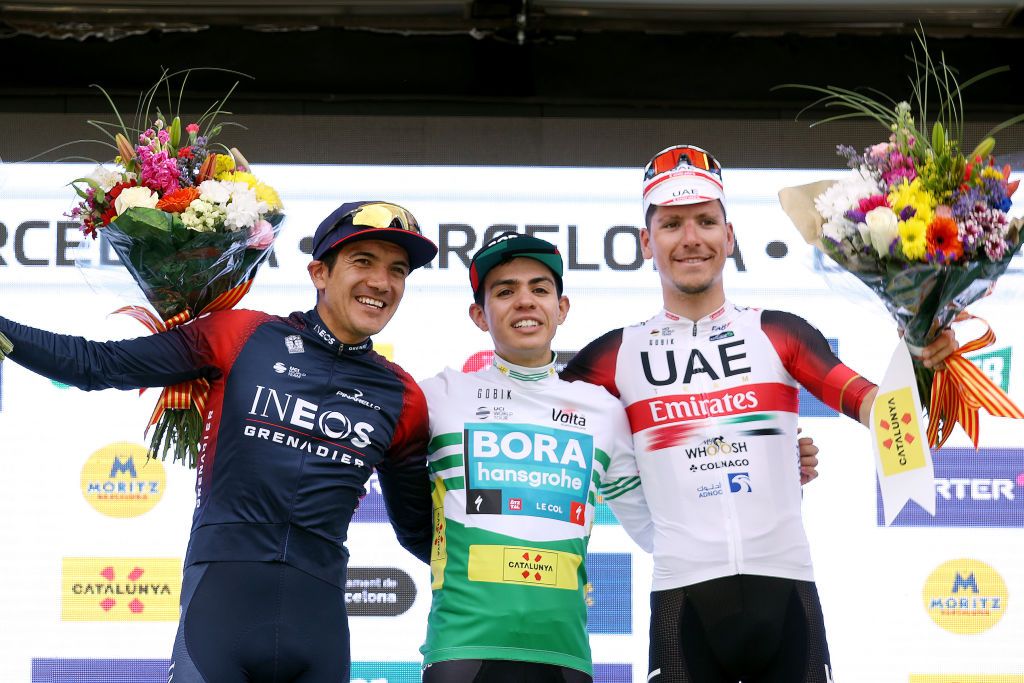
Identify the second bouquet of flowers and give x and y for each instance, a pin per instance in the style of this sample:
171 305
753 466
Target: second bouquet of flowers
191 224
924 225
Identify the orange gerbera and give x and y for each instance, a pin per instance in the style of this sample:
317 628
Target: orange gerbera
178 201
944 239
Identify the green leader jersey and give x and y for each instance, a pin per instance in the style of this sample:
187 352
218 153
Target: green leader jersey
517 458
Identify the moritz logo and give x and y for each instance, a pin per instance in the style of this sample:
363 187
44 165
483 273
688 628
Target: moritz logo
121 480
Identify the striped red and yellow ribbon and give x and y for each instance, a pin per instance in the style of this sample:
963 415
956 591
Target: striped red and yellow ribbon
960 390
183 396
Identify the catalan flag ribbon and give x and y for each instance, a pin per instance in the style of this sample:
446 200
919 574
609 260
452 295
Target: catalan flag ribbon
960 390
193 392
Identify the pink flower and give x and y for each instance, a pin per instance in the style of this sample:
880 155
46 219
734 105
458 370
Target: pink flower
163 136
880 150
192 128
873 202
159 171
261 235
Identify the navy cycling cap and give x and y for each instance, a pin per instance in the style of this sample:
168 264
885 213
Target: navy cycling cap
368 220
508 246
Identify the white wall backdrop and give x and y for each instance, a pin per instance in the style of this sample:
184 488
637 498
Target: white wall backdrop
90 575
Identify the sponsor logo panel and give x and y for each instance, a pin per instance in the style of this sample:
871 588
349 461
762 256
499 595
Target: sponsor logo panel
386 350
120 480
603 514
983 488
810 406
385 672
609 593
378 592
371 505
155 671
524 566
120 589
966 678
99 670
965 596
996 365
544 469
613 673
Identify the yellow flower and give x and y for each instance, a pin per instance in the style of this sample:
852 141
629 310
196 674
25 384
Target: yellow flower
913 195
265 193
913 238
225 164
239 177
992 172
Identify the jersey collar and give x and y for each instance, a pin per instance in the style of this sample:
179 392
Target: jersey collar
522 373
316 326
717 320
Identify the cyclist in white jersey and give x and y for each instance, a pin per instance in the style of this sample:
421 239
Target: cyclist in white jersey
710 390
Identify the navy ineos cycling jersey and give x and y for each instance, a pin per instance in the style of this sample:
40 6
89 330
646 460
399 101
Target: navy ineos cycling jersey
295 423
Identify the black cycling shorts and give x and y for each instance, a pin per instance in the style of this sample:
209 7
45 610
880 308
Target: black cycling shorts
500 671
259 622
754 629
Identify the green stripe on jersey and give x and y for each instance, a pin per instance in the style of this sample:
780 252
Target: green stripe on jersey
446 463
622 490
614 489
602 458
442 440
455 483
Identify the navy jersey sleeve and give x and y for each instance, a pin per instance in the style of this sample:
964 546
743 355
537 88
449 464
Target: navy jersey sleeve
809 359
153 361
403 475
595 364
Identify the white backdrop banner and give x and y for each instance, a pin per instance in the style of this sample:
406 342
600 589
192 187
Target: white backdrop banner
94 534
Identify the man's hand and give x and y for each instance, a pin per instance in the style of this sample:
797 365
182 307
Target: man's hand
939 350
808 459
5 346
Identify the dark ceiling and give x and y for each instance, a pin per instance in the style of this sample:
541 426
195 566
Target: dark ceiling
596 58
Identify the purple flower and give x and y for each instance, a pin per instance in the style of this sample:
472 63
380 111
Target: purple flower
854 216
907 213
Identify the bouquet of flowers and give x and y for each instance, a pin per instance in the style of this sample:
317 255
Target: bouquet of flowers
191 224
922 224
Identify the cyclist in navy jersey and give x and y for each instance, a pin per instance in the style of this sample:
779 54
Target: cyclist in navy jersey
713 415
286 455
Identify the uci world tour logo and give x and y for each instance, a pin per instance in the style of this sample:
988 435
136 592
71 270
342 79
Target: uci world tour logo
546 469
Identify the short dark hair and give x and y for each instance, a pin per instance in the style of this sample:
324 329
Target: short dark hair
330 258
